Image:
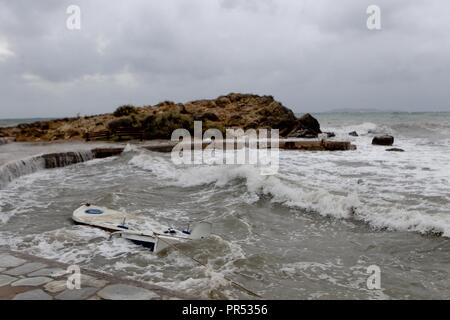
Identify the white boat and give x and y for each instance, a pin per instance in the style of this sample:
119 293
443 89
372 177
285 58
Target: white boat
129 226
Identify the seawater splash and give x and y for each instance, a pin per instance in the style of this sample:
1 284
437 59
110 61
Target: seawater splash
18 168
326 194
59 160
279 188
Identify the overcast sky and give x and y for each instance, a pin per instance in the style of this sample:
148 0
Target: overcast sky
312 55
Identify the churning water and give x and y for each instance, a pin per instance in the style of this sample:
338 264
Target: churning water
309 232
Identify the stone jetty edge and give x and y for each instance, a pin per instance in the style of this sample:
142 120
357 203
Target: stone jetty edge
27 277
56 160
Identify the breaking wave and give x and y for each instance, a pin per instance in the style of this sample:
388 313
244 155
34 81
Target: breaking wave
321 198
18 168
413 127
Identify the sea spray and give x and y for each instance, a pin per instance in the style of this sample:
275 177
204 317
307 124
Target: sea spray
15 169
341 199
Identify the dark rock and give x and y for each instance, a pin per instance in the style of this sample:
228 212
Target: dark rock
101 153
303 133
310 123
330 134
305 127
317 145
385 140
353 134
395 150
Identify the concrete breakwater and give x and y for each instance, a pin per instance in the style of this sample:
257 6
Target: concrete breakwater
63 159
15 169
18 168
285 144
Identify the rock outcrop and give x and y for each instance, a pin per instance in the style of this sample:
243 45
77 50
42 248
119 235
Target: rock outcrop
307 127
246 111
353 134
385 140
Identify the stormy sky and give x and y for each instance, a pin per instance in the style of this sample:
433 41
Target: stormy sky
312 55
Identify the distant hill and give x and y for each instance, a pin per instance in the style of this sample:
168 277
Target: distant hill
356 110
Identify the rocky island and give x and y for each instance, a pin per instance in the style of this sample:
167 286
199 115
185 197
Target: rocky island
247 111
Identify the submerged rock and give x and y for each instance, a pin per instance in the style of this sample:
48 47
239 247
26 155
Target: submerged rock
353 134
395 150
385 140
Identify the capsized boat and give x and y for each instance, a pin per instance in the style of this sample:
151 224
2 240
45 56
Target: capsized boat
129 226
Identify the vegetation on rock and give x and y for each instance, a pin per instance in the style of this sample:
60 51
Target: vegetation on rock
125 110
247 111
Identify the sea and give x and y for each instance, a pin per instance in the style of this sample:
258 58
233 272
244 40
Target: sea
315 230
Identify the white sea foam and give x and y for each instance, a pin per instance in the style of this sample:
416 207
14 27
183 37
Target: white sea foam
18 168
395 191
331 184
15 169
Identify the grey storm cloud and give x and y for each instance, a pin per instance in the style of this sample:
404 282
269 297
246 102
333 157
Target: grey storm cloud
312 55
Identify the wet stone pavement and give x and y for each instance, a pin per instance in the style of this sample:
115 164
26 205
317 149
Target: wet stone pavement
25 277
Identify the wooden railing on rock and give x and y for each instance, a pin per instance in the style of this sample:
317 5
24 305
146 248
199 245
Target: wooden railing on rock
129 133
99 135
120 133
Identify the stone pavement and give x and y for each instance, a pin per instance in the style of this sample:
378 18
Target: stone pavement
25 277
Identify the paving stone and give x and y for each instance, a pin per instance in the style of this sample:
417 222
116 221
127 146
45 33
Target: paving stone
56 286
9 261
5 280
48 272
32 282
81 294
89 281
126 292
37 294
25 269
